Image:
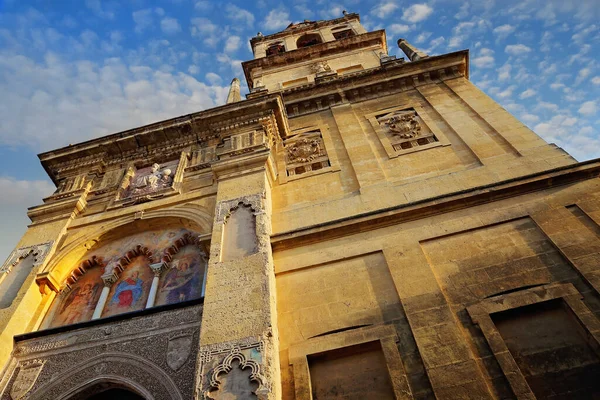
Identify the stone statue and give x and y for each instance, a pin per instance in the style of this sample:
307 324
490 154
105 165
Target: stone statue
321 67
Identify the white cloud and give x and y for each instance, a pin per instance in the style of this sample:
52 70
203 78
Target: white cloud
417 13
582 75
204 29
213 78
596 80
398 29
504 72
95 98
588 108
384 9
142 19
96 7
232 44
527 94
557 86
203 5
423 36
530 118
517 49
194 70
503 31
485 59
170 25
238 14
276 20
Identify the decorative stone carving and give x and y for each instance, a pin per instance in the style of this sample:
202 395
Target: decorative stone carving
405 129
178 350
305 152
320 67
37 251
140 352
149 182
225 368
404 125
26 378
220 359
17 268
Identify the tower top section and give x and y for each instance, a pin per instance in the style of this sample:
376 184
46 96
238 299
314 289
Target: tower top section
306 33
312 49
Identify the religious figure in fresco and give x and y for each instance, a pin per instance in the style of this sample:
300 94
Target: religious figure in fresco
128 291
78 303
182 282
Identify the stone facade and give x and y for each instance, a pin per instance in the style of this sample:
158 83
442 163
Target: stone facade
375 228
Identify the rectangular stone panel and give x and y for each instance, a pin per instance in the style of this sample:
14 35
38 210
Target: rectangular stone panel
350 373
551 350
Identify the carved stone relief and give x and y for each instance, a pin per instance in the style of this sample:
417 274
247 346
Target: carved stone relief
305 152
405 129
178 350
150 182
26 378
320 67
234 370
155 354
17 268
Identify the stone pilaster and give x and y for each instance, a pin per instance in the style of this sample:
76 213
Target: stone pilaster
238 343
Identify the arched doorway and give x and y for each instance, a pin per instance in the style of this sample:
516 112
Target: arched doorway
115 394
108 390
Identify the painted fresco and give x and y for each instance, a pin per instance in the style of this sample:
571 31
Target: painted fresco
130 292
183 280
79 304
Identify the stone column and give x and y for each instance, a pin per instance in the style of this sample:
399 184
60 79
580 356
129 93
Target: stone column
239 319
157 268
109 279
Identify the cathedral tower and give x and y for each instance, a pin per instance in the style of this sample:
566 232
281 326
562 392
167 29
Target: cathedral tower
361 226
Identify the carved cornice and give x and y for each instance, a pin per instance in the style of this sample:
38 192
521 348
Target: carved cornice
309 27
374 83
167 137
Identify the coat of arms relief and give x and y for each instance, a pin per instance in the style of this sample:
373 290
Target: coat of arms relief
305 152
405 129
26 378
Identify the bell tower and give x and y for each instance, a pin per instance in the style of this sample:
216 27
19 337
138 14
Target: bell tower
309 52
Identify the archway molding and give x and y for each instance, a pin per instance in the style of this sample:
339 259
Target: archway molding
57 270
143 376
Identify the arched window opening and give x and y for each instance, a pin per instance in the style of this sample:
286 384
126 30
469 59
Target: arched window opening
274 49
343 34
308 40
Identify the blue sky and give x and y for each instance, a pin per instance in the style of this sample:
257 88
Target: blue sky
79 69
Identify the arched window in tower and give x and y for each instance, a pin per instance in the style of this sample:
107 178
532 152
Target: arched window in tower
308 40
276 48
